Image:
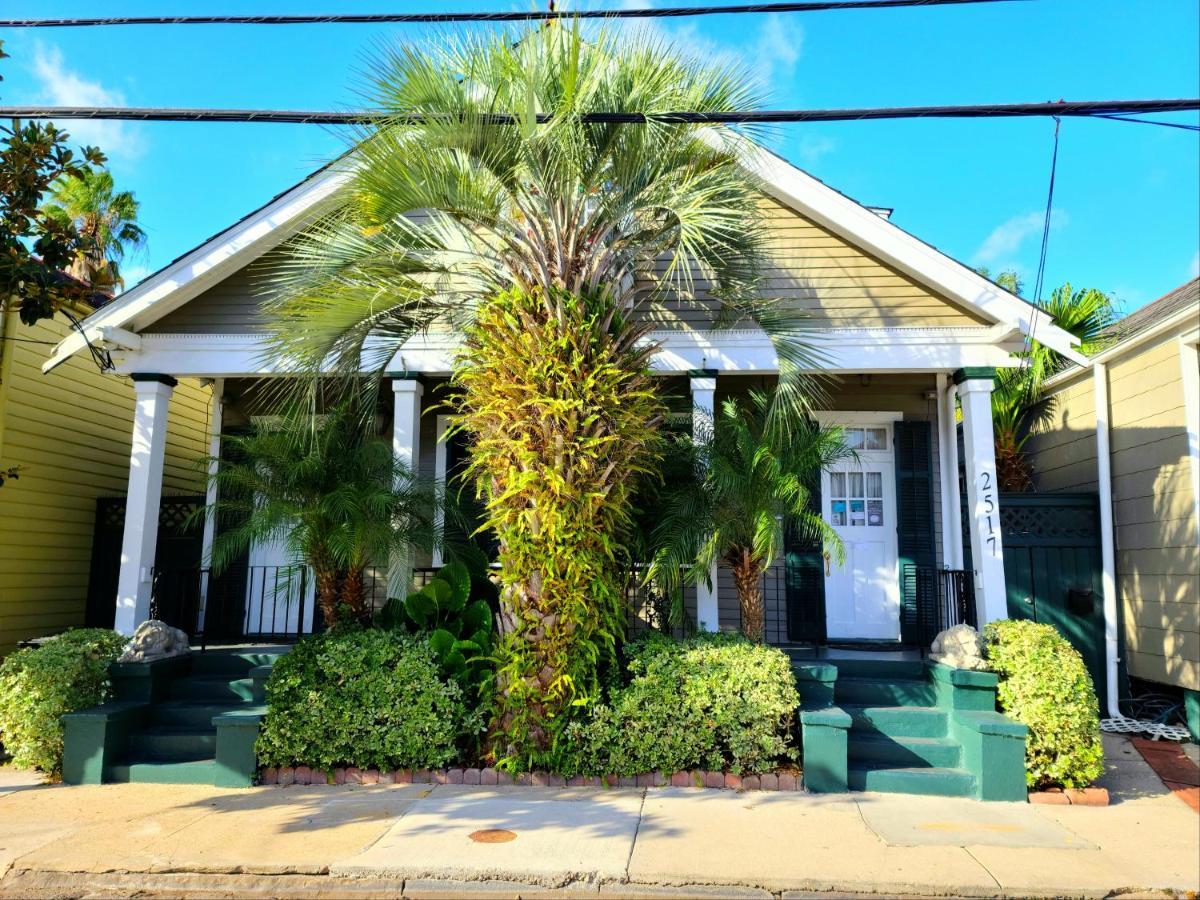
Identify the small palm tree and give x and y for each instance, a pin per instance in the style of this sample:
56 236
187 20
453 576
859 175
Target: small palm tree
335 497
1020 405
753 485
105 218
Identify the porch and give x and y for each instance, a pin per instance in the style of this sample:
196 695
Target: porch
897 507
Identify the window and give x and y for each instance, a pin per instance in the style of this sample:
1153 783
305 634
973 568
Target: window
856 499
866 438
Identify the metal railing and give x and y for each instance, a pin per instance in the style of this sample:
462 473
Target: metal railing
944 598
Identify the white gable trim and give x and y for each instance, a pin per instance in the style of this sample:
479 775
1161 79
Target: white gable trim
234 248
207 265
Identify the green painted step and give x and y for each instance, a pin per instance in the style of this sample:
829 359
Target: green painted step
215 688
231 663
875 692
927 780
172 744
879 669
913 752
188 714
198 771
897 721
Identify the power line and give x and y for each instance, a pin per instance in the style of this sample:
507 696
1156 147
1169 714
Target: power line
527 16
1071 108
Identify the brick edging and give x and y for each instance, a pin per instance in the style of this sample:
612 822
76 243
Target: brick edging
771 781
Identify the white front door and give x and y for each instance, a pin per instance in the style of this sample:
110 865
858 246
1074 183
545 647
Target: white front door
858 497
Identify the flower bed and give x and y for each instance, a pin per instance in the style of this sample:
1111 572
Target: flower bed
488 777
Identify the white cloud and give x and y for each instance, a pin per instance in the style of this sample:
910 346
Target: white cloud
813 147
59 86
1007 238
776 52
1194 268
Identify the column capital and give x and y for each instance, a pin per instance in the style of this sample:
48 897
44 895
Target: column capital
407 384
974 373
152 378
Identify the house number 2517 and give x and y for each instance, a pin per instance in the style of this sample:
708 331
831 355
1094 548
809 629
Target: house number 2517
987 498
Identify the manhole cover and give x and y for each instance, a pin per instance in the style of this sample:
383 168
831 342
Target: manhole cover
493 836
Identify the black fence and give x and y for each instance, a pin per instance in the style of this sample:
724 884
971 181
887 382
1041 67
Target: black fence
945 598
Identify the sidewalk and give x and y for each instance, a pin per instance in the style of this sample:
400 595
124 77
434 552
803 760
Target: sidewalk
454 840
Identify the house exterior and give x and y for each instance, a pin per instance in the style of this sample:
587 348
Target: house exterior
69 432
907 332
1127 426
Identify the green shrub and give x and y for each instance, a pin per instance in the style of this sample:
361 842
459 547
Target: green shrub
454 613
372 698
709 702
39 685
1045 686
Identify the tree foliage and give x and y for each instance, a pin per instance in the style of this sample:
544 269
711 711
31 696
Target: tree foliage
36 248
752 485
335 496
105 219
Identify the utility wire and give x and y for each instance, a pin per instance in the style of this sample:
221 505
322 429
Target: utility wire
1041 269
527 16
1072 108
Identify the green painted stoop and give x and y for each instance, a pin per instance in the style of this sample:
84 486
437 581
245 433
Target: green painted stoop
907 726
190 719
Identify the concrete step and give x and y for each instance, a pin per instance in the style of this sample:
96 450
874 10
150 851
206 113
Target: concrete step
883 692
878 669
232 663
898 721
189 714
173 744
198 771
215 688
911 752
927 780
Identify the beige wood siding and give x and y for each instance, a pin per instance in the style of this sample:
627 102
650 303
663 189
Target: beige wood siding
70 433
1156 533
837 284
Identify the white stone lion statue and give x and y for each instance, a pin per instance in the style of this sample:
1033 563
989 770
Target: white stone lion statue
960 646
154 640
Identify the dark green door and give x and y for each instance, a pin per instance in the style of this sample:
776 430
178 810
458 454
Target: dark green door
1052 570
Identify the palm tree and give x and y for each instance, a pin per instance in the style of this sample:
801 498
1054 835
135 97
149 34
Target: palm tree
338 499
1020 405
487 204
753 485
105 218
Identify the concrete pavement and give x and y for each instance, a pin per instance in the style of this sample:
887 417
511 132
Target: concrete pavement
451 840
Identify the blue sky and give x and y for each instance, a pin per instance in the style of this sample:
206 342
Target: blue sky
1127 200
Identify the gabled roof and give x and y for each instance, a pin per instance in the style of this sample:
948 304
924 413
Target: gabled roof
267 227
1165 308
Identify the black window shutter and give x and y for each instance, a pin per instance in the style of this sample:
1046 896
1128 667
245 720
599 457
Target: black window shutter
914 520
804 582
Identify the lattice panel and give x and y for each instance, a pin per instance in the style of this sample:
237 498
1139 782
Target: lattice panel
1048 524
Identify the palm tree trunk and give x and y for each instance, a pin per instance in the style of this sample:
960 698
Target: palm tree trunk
747 578
561 413
328 592
354 595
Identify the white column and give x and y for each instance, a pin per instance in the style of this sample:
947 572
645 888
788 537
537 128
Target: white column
152 397
216 414
952 537
983 496
440 464
704 389
406 446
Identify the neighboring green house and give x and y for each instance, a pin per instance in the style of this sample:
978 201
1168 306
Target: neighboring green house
70 434
1127 426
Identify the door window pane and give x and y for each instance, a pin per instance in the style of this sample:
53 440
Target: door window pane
837 512
856 484
837 484
875 439
874 484
874 513
854 438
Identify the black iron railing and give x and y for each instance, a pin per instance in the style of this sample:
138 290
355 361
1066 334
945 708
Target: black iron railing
944 598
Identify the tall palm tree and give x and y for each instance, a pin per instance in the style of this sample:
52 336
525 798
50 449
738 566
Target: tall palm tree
106 220
336 498
1020 405
485 203
753 485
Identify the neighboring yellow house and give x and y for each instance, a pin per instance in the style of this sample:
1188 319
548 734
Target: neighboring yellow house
1148 384
70 432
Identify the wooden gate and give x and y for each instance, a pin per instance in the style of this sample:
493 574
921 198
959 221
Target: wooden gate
1052 568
